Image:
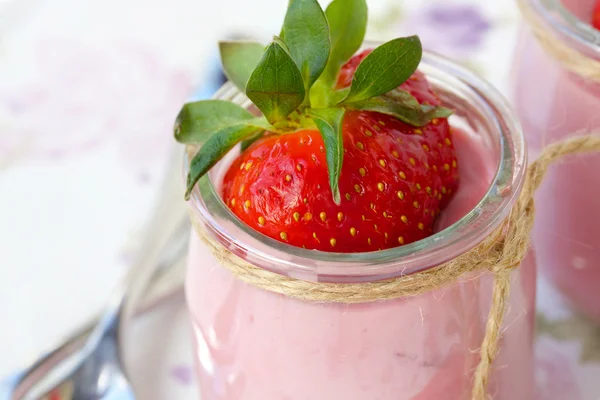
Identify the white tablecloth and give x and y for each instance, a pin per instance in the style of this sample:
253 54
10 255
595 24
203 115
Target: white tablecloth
88 93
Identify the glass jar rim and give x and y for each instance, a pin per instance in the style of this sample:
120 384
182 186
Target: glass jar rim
207 205
563 23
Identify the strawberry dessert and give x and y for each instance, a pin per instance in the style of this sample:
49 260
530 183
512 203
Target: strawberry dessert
395 180
553 103
344 159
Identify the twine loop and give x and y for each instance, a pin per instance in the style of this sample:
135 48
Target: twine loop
500 253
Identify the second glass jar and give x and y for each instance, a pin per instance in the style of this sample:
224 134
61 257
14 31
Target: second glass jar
553 103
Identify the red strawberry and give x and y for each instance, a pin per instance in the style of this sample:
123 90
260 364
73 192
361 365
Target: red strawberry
347 70
596 16
394 181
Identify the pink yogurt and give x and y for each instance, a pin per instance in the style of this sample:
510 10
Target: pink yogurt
552 104
255 345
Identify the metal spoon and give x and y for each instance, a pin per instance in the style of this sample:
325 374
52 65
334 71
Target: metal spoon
165 283
90 366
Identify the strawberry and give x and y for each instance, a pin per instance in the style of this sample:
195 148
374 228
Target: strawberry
596 16
351 153
435 134
347 71
394 181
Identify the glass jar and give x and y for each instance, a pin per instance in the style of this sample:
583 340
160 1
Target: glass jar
253 344
554 102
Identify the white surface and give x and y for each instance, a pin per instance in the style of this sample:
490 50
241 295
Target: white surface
72 200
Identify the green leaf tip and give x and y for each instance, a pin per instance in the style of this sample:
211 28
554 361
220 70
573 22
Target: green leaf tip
198 121
385 68
347 25
239 59
306 32
329 122
280 42
214 149
276 86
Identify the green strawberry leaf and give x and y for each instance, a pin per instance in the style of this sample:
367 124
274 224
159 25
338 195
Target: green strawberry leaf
385 68
239 60
197 121
306 32
347 27
402 105
214 149
276 86
329 122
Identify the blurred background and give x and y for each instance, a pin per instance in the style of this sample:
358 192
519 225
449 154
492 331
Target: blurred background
88 94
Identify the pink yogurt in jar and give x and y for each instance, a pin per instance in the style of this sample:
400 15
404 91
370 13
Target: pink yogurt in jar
553 103
251 344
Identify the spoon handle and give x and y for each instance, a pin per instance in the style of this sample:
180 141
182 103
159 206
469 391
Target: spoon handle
164 235
168 279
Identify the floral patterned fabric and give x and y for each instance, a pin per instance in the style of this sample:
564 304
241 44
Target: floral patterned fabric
88 93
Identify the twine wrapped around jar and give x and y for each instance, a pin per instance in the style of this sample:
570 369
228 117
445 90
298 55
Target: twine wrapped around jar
569 57
500 253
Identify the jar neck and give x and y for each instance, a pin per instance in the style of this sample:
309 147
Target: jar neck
562 23
479 108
